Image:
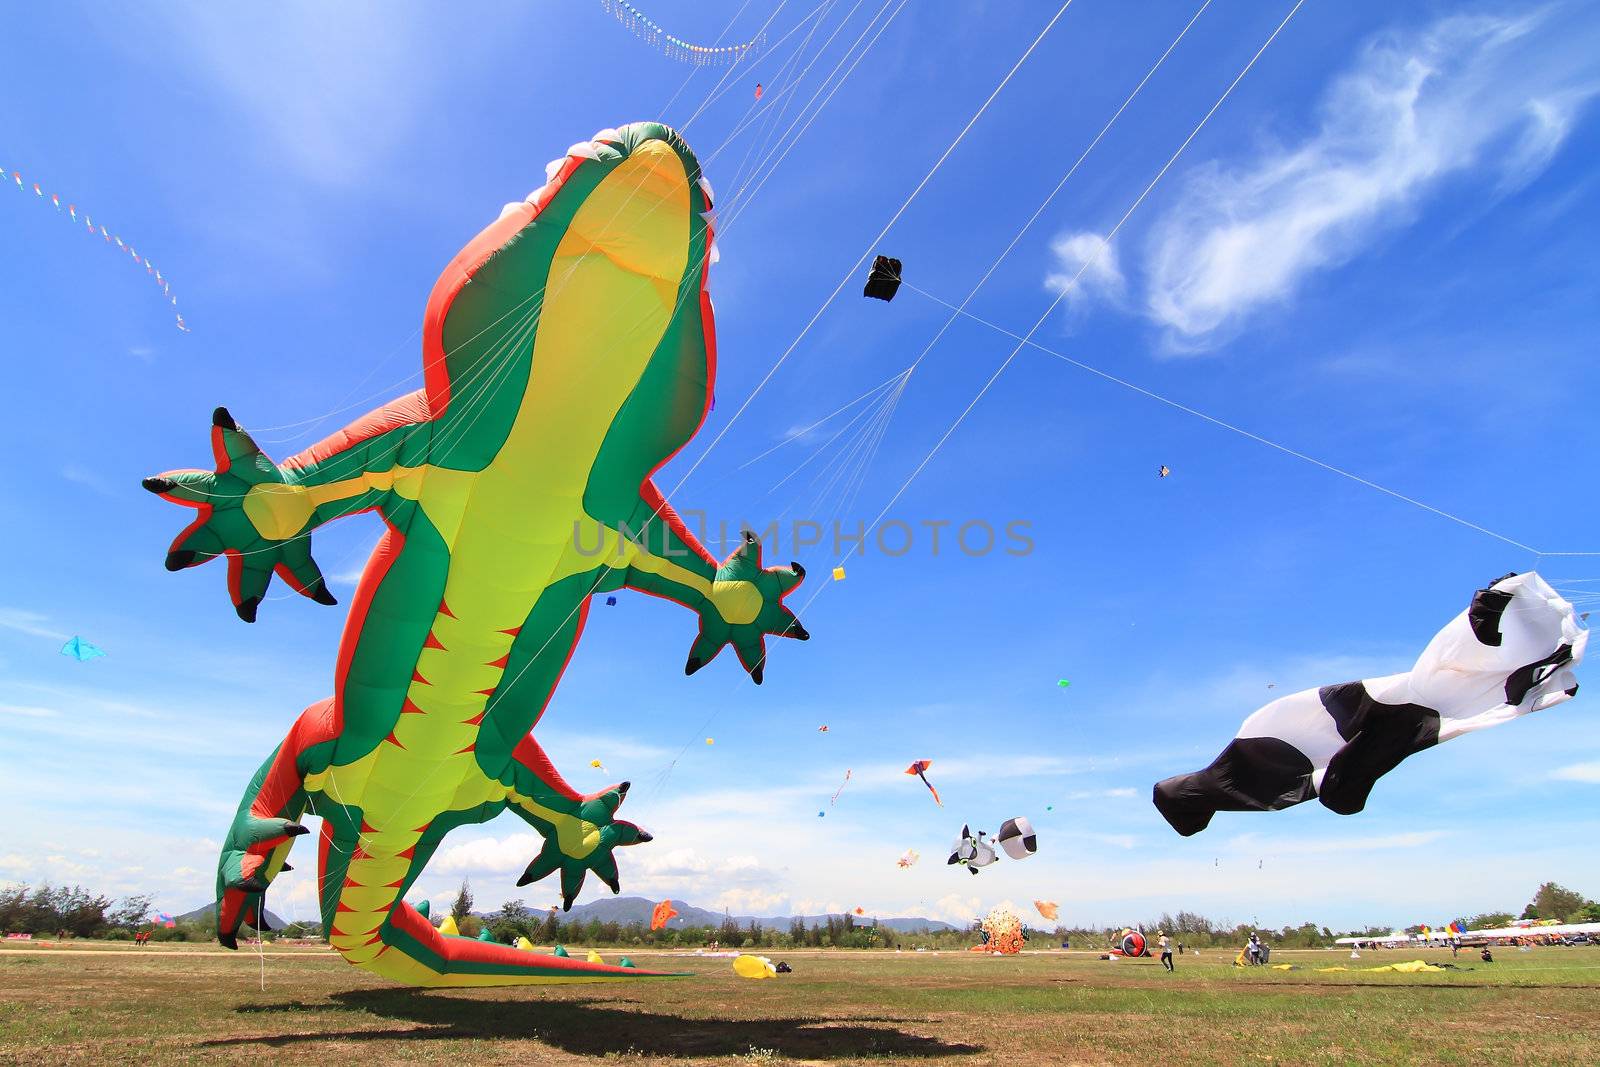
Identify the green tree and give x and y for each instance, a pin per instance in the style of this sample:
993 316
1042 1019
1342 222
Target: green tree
1553 901
463 905
131 913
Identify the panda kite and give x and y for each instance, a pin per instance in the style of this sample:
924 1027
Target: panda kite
1514 651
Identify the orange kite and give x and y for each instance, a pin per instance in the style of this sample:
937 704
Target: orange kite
663 914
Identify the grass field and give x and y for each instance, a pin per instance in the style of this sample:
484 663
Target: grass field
167 1004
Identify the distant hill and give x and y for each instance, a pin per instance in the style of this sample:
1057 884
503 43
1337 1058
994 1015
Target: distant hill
627 910
208 915
637 909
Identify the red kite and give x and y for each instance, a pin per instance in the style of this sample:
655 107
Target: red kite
917 768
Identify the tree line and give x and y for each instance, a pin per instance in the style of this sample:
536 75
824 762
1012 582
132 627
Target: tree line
54 911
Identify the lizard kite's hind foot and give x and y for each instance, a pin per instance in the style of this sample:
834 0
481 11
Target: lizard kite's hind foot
583 842
253 855
257 845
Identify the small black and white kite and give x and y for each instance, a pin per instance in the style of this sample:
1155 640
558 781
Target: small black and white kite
1016 836
1514 651
972 852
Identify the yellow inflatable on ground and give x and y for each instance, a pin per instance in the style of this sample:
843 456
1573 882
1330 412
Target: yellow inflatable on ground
1409 967
754 967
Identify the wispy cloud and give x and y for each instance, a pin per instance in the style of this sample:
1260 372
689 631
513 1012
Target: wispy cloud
1103 794
1086 270
1588 773
31 623
29 711
1469 93
79 475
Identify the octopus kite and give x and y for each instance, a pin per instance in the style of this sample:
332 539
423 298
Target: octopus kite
569 352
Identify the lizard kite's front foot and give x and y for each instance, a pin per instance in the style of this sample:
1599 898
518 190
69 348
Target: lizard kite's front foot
249 512
585 842
251 857
746 605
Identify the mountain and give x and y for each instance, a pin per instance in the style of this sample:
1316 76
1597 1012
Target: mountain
627 910
208 916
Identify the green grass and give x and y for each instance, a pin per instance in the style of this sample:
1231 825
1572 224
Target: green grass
183 1003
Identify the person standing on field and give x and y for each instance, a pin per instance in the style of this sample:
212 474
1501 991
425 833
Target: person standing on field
1166 951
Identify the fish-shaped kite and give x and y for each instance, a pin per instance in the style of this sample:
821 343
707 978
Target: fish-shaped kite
918 768
909 859
1048 908
663 913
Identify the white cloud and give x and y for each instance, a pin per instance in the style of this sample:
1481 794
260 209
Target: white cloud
1469 92
1086 270
28 711
1103 794
79 475
955 908
488 854
30 622
750 901
1578 772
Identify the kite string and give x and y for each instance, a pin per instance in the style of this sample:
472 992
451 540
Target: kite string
850 273
606 569
1232 428
1060 296
744 199
1049 198
839 287
1066 289
690 77
535 295
789 90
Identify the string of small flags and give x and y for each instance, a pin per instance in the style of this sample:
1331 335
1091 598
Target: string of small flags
645 28
74 215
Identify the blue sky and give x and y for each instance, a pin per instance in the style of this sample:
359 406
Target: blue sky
1377 253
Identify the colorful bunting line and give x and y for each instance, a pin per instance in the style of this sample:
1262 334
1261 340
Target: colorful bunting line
107 236
646 29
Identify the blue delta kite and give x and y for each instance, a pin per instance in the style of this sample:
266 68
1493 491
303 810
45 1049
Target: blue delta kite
1514 651
81 650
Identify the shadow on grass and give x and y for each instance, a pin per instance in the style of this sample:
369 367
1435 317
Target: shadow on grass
598 1027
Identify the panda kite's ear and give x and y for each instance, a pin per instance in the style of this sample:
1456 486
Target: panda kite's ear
1488 608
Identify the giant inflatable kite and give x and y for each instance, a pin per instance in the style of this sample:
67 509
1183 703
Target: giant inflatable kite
569 352
1513 651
